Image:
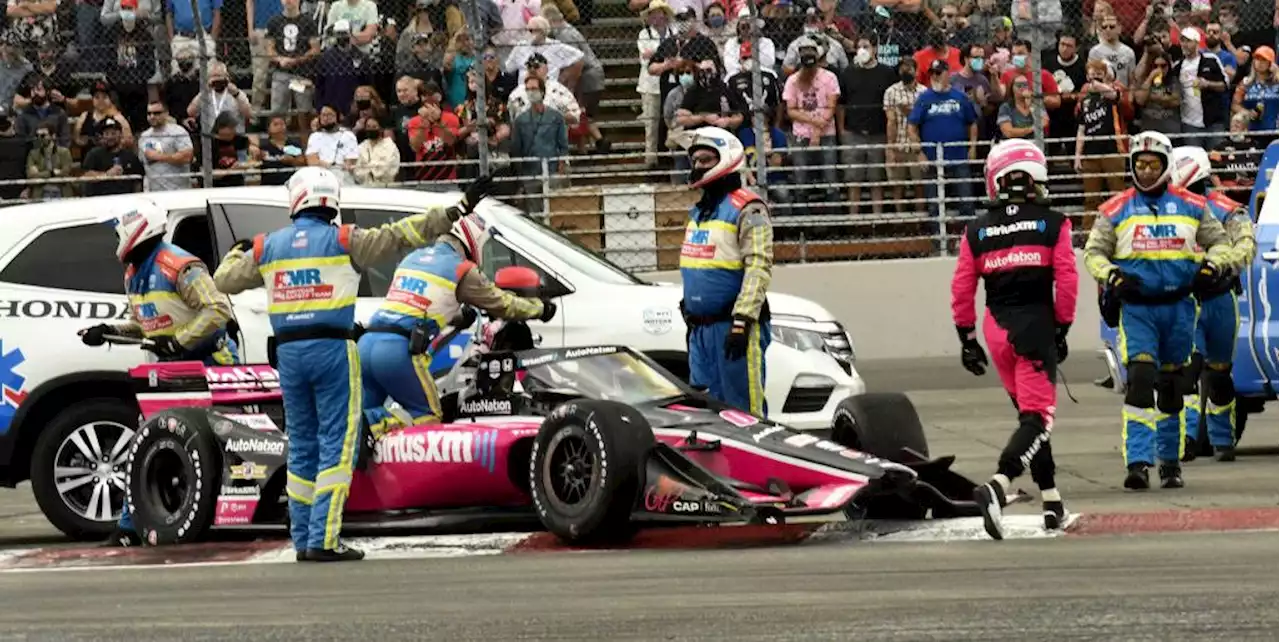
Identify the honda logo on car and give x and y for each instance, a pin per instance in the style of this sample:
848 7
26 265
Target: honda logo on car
255 446
801 441
430 447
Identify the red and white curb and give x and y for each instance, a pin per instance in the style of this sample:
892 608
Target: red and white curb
675 538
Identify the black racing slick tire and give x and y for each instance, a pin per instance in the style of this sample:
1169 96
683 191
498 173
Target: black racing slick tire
77 474
587 470
174 477
880 424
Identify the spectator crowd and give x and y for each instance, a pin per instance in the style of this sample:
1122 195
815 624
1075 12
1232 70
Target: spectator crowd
857 95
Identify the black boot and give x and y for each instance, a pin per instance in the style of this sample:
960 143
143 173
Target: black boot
991 499
342 553
1224 453
1138 477
123 539
1055 515
1171 476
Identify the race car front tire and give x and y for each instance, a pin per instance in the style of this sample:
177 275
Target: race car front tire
587 470
880 424
175 472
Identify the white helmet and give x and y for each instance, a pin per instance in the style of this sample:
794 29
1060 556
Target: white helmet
473 232
312 188
136 220
1190 166
732 155
1152 143
1015 155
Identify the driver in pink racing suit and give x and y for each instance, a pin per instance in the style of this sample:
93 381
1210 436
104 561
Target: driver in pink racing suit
1022 251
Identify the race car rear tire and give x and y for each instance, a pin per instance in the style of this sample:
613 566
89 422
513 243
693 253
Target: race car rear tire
175 472
611 441
880 424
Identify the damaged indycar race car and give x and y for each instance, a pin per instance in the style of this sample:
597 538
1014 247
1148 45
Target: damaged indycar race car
593 442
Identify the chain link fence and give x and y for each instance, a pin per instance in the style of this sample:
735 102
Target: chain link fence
116 95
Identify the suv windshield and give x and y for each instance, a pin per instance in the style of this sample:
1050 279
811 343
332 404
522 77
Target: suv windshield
554 243
621 376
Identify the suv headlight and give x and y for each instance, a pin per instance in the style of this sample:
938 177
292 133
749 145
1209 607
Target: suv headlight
804 333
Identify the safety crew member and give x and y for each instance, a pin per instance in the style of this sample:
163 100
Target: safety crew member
726 263
1142 248
427 292
310 272
1021 250
1219 319
173 302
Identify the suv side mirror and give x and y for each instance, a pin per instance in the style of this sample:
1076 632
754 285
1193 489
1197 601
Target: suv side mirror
520 280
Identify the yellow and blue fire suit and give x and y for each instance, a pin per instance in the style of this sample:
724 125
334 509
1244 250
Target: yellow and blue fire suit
428 289
1154 238
171 294
309 269
1217 325
726 264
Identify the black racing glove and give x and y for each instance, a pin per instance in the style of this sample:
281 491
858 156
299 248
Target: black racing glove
1209 278
548 310
165 347
94 336
244 245
1125 286
972 356
476 191
735 344
1060 341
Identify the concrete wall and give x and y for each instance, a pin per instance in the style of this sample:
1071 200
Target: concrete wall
902 308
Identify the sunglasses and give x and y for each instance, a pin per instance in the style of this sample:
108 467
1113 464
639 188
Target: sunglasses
1110 26
155 113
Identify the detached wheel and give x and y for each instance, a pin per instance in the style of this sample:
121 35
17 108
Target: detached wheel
587 470
175 472
880 424
78 466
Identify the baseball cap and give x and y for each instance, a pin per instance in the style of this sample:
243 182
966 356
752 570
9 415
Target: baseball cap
1190 33
1266 53
342 26
535 60
687 13
938 66
109 123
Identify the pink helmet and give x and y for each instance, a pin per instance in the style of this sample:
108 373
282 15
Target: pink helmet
1016 155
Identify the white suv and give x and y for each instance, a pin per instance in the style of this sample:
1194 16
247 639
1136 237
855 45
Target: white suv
66 409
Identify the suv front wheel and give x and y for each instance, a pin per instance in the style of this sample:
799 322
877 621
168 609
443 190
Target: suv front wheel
78 466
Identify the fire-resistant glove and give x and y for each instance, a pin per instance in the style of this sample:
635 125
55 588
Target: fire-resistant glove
1060 341
165 347
94 336
244 245
1125 286
476 191
548 310
1209 278
735 343
972 356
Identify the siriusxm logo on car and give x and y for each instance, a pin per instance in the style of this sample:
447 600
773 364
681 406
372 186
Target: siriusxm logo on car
1020 226
255 446
438 447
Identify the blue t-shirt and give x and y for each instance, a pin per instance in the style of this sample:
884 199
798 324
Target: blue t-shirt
455 84
263 12
184 21
944 117
1266 99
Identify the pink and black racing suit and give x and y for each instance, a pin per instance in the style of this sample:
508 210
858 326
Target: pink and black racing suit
1023 253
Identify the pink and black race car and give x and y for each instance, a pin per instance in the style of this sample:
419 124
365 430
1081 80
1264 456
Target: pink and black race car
593 442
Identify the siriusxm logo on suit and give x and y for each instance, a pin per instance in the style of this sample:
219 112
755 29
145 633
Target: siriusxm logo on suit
1020 226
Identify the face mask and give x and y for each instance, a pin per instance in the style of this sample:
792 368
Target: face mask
715 22
748 65
364 104
44 140
809 60
906 76
5 124
219 85
975 64
863 56
371 134
185 66
535 97
40 100
707 78
810 29
686 80
329 127
1237 137
1020 61
687 27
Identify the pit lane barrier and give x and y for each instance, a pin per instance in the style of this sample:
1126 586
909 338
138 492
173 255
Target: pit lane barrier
275 551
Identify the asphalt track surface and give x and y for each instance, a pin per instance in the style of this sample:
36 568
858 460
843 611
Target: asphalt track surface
1204 586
